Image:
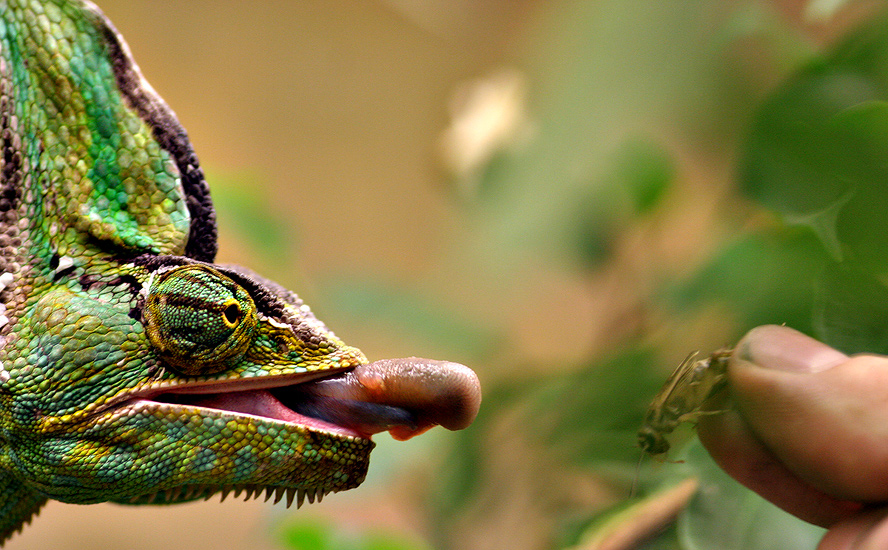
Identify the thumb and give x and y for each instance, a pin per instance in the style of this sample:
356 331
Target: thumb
823 414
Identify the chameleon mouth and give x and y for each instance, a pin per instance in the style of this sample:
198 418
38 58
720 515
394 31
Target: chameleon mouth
402 396
297 404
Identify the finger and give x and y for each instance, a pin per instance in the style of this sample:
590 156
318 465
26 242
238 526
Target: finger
782 348
737 451
822 416
865 531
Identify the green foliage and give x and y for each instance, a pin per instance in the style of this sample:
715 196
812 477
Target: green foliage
817 155
632 107
243 210
764 277
727 516
433 323
637 178
851 310
814 155
587 410
315 534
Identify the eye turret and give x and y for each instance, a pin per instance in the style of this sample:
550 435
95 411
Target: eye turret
198 320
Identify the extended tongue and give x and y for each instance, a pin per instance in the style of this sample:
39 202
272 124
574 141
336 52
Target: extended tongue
360 416
404 396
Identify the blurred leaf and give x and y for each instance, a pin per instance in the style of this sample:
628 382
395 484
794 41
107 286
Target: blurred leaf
410 314
460 474
389 541
602 75
762 278
244 210
727 516
597 410
794 162
863 129
306 535
798 159
317 534
646 170
818 150
594 234
574 430
818 155
851 311
631 522
638 177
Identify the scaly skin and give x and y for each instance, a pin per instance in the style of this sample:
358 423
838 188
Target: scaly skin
121 342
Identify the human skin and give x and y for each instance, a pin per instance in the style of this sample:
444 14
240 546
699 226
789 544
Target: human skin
806 426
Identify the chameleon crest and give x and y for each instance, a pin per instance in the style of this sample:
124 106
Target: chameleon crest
132 368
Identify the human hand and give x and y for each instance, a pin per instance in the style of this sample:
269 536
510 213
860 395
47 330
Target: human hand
806 426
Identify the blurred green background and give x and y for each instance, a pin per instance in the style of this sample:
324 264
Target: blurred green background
567 196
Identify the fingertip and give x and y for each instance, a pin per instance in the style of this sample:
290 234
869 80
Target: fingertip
876 537
779 347
826 426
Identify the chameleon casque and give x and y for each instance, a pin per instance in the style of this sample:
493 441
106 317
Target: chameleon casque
132 368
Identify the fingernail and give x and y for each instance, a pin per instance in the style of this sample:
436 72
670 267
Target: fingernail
782 348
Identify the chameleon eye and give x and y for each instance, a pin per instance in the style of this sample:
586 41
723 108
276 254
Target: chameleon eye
198 320
232 314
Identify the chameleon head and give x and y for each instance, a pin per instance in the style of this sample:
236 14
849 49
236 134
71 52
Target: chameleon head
167 379
184 379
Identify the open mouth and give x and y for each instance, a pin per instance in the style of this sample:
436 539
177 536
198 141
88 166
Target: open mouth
298 404
402 396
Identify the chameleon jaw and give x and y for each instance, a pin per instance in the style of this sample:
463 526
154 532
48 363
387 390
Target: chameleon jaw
281 471
250 491
301 436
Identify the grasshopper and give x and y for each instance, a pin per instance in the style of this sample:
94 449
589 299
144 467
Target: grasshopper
682 397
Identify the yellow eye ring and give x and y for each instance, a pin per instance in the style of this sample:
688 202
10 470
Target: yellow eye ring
231 313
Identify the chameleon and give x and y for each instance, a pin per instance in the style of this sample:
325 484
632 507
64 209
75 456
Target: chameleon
134 369
682 397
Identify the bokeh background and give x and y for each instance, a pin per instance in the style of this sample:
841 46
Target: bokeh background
568 196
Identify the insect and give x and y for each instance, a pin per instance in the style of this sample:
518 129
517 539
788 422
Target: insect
682 397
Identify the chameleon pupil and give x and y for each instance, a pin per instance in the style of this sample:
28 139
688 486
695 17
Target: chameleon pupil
232 315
